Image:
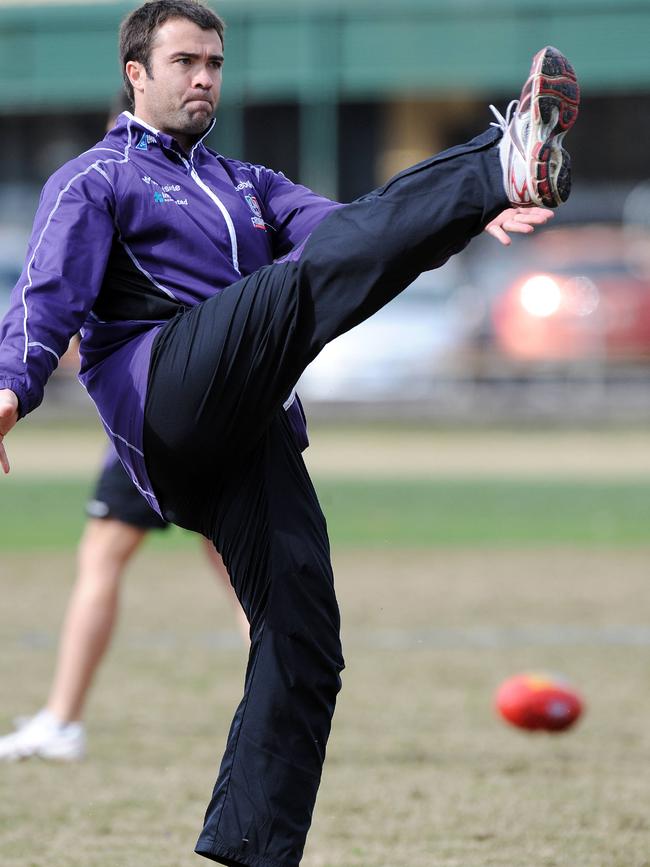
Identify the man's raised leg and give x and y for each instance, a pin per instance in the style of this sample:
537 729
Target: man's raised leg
221 455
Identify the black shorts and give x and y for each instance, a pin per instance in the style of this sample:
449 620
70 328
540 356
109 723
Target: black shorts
116 497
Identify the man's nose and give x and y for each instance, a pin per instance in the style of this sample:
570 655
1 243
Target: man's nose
203 78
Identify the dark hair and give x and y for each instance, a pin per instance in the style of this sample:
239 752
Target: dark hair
138 29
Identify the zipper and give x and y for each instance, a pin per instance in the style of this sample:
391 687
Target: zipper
224 212
189 165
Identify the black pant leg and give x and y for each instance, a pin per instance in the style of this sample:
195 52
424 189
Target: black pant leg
366 253
273 536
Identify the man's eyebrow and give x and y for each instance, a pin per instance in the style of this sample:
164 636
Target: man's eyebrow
194 56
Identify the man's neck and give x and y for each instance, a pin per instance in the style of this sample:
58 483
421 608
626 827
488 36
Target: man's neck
185 142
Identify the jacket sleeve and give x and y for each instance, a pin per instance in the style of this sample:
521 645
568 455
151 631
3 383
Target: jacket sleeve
63 272
290 210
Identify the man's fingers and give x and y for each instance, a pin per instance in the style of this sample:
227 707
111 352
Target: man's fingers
522 228
4 460
497 232
521 221
533 215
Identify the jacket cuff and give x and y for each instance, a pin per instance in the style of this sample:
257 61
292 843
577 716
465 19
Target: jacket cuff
21 393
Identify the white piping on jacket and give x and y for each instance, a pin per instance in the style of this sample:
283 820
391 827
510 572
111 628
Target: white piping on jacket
122 440
129 445
62 192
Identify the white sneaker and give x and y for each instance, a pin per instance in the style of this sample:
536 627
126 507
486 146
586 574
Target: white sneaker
536 168
45 737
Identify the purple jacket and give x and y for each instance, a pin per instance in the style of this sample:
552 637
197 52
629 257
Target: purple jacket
125 235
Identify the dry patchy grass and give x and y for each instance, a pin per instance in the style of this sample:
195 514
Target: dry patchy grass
419 773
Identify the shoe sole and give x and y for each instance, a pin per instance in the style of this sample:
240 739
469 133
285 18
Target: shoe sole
553 94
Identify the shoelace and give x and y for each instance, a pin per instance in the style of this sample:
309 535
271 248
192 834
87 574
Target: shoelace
504 122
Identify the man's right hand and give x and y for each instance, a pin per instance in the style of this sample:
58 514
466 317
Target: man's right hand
8 418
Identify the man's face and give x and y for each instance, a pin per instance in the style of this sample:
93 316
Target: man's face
181 95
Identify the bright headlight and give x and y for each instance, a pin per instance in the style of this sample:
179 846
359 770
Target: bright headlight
540 296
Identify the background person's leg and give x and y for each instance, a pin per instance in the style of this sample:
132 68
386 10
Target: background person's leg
56 731
105 548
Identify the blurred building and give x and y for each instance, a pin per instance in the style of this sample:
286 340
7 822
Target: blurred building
340 95
337 94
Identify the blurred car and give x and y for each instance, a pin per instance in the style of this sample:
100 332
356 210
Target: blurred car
396 354
575 293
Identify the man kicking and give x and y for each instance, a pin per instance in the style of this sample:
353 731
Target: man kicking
203 287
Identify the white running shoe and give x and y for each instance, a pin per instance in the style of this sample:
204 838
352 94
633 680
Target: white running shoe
43 736
536 168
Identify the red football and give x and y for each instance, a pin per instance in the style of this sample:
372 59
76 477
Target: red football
538 701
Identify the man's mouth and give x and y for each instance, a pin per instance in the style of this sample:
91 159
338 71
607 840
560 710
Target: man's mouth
198 100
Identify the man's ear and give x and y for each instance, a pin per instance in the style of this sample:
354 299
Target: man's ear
136 74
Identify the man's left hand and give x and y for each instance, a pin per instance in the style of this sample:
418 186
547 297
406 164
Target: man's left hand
8 418
519 220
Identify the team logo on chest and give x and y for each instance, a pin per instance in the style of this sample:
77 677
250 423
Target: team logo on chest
145 141
257 219
161 194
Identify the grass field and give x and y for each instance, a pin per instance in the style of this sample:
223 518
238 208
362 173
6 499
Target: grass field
452 574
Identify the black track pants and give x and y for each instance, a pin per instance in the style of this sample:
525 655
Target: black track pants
223 460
